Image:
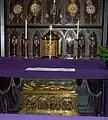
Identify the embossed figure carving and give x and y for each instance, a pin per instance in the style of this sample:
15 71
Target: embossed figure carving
50 98
42 103
31 102
55 103
67 103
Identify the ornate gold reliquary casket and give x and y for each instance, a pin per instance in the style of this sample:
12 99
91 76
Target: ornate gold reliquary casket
49 98
50 45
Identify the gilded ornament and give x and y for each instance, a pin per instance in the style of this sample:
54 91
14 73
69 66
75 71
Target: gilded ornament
11 16
90 8
14 40
17 9
72 9
35 9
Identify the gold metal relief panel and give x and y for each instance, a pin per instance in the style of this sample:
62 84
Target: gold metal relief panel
46 48
15 11
49 98
92 12
59 44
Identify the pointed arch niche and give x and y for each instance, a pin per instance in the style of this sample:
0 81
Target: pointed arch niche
13 42
93 44
36 44
81 45
69 43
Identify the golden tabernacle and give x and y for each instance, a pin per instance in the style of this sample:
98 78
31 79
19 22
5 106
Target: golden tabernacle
50 45
49 98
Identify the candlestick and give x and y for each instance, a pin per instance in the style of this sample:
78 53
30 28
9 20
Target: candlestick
76 48
77 30
26 48
50 27
25 28
60 47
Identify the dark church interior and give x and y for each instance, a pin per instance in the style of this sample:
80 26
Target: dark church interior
51 66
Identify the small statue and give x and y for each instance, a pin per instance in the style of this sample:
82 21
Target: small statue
14 44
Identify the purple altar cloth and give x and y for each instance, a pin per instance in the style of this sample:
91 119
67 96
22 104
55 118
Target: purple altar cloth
85 69
45 117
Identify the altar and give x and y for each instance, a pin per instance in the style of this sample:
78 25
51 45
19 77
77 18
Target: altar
84 69
48 59
87 74
40 117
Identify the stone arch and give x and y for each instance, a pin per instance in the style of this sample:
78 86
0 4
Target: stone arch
11 33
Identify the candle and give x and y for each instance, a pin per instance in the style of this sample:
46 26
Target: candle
60 46
50 27
77 30
25 28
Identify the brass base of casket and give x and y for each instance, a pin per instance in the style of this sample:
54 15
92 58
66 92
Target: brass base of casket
52 102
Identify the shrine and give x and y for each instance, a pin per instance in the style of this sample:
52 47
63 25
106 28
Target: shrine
54 59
